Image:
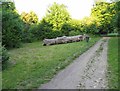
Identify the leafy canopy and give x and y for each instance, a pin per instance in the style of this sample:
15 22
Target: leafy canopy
57 15
29 18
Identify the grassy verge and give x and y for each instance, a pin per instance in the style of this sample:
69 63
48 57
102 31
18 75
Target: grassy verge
111 35
34 64
113 63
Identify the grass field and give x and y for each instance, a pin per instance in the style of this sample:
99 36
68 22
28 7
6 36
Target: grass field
34 64
113 63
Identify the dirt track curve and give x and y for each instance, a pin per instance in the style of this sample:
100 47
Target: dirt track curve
88 71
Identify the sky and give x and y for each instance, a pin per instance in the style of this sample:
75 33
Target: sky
78 9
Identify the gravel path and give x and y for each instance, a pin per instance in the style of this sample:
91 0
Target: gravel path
88 71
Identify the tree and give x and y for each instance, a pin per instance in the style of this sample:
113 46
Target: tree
29 18
103 13
12 25
74 26
116 18
57 15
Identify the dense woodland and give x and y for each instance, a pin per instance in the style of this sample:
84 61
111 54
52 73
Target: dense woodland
17 29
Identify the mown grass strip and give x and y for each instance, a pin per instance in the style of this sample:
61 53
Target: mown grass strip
113 73
34 64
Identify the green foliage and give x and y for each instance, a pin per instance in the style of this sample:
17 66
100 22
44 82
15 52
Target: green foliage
72 26
44 27
31 34
31 27
4 55
57 15
113 34
27 36
52 34
45 30
29 18
34 31
116 17
12 26
104 18
73 33
66 28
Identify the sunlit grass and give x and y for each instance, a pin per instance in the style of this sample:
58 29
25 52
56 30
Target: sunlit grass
34 64
113 63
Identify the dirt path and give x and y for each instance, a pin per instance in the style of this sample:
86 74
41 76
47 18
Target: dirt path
88 71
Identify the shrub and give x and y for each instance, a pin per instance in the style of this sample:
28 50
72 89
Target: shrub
27 36
34 29
73 33
4 56
66 28
52 34
44 29
56 34
12 26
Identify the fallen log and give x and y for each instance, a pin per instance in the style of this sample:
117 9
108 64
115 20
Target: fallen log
61 40
64 39
49 41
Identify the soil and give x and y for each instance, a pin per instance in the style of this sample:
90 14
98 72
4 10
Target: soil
88 71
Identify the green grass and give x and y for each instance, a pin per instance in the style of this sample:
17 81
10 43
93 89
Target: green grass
112 34
34 64
113 63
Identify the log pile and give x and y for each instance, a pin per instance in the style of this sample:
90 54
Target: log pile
63 39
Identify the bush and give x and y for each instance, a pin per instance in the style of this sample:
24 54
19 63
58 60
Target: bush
44 29
52 34
34 29
73 33
4 56
27 36
66 28
12 26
